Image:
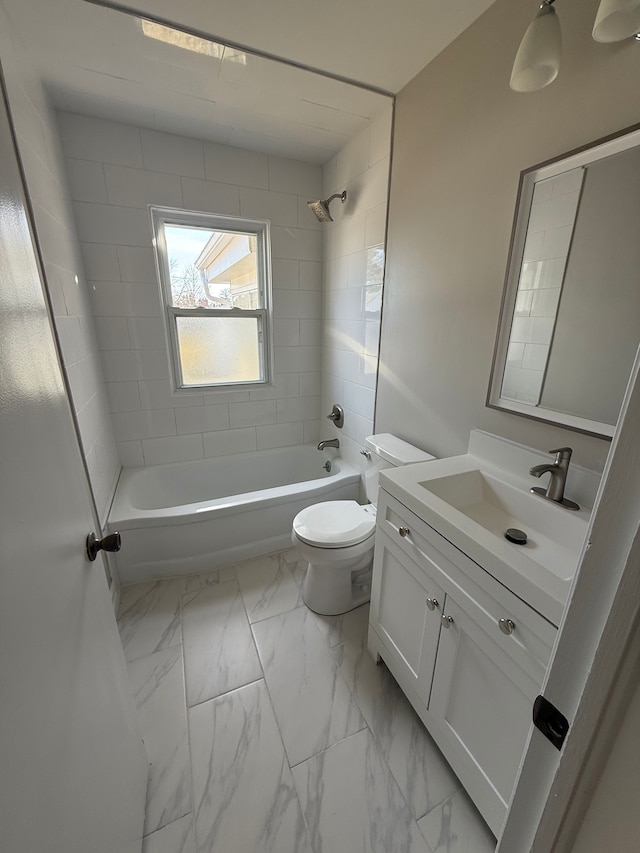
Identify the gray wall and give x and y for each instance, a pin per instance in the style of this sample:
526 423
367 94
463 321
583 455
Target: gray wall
598 326
611 821
461 139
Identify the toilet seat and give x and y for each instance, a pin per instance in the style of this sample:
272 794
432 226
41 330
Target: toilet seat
335 524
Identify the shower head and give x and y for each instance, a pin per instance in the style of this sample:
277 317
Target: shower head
321 208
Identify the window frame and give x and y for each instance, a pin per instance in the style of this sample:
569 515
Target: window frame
258 228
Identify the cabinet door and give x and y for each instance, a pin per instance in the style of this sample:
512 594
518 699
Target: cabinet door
406 605
481 700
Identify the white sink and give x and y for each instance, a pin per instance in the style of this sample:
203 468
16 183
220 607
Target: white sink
554 537
473 503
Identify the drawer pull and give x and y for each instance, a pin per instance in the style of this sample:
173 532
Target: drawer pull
507 626
432 603
447 621
404 531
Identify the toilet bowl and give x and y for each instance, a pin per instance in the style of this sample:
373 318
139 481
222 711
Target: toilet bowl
336 538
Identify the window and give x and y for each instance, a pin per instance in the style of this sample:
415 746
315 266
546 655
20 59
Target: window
215 283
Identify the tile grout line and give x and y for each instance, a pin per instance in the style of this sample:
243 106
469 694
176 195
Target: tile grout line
186 712
359 641
373 736
226 693
338 672
285 753
266 683
327 748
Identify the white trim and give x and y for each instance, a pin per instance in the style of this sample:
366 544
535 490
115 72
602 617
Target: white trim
259 228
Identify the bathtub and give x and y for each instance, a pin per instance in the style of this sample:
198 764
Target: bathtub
195 516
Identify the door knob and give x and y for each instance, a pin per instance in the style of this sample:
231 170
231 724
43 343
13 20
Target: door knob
447 621
507 626
404 531
112 542
432 603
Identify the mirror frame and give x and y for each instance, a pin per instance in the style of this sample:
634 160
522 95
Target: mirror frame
583 156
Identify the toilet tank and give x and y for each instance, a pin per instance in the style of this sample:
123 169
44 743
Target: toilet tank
388 451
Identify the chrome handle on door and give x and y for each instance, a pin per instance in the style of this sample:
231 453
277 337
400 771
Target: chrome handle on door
404 531
507 626
447 621
432 603
112 542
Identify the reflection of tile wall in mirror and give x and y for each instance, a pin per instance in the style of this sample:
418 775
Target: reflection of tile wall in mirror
551 222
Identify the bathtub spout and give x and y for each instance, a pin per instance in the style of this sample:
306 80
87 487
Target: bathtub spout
330 442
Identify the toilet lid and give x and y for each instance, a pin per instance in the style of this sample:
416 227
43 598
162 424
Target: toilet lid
335 524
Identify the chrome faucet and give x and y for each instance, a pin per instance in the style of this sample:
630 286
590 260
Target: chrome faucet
558 470
330 442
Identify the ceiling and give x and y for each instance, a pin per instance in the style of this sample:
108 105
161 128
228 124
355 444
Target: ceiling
382 43
99 61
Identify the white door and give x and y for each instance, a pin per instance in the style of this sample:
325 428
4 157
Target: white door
72 765
592 652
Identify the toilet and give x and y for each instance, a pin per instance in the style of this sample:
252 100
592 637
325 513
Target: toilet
336 537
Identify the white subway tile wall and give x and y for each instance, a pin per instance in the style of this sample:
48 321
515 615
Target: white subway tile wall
116 171
354 267
49 183
553 214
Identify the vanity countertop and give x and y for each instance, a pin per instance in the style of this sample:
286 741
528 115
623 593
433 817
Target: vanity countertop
471 502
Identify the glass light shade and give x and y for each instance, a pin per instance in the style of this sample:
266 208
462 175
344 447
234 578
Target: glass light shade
617 20
538 58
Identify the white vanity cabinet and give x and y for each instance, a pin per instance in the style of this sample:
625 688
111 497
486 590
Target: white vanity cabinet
435 620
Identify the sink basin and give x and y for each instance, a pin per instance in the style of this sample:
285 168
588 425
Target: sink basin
554 536
472 503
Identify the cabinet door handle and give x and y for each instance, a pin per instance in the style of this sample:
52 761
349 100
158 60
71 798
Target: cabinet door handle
432 603
447 621
507 626
404 531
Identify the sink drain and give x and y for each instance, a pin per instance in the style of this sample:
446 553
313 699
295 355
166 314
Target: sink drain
518 537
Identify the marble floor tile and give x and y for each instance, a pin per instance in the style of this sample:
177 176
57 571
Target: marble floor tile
455 826
312 702
423 774
268 587
297 564
219 651
245 799
157 683
347 627
204 579
149 617
351 802
176 837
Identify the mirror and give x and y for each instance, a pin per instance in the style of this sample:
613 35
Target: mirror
570 319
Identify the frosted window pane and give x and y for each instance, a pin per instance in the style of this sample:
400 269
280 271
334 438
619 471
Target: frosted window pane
219 349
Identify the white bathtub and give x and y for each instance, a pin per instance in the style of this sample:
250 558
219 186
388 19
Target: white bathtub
194 516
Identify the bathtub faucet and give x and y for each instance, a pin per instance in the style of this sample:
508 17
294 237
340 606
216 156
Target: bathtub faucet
331 442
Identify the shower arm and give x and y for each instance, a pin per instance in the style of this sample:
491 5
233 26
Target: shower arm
342 196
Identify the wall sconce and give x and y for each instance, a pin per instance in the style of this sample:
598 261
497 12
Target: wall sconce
538 58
